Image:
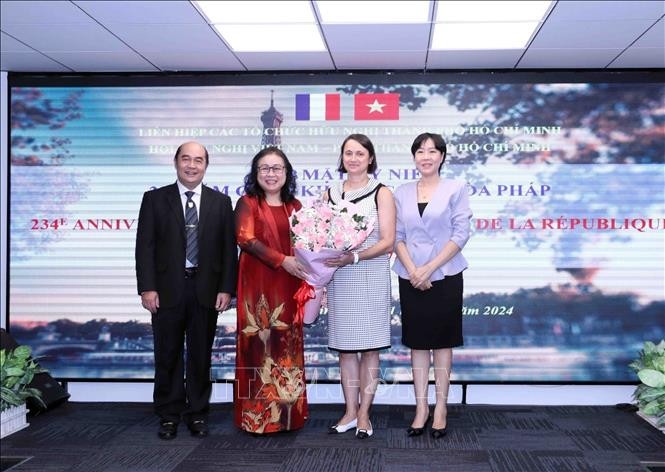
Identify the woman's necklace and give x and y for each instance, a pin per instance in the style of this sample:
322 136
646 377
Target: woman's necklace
425 191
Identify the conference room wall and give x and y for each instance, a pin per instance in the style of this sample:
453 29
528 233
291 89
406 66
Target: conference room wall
4 168
400 394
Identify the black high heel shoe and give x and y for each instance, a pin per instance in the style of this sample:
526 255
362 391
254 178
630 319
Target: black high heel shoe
411 431
439 433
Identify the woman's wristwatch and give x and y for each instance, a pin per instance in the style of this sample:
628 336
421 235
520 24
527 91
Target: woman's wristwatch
356 258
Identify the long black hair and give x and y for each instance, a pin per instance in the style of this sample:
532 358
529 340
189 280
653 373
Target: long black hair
252 187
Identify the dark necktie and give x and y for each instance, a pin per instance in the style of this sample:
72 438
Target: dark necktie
191 229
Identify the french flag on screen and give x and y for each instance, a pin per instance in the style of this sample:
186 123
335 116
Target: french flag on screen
317 106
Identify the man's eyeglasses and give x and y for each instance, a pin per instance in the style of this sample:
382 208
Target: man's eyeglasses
277 170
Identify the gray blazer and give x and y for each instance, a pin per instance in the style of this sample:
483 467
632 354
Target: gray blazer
446 218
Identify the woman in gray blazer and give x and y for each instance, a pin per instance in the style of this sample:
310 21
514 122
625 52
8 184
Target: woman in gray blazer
433 223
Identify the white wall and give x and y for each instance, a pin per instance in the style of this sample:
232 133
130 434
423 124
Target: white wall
4 157
388 394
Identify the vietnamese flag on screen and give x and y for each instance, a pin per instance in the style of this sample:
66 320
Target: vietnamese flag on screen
317 106
376 106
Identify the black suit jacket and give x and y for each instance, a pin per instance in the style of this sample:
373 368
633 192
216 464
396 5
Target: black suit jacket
161 245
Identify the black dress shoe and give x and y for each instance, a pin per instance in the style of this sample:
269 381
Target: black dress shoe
411 431
439 433
167 430
343 428
364 433
198 428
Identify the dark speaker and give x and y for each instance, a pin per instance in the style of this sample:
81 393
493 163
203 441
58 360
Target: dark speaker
53 393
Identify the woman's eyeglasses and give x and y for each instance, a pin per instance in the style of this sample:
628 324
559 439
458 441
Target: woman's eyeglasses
277 170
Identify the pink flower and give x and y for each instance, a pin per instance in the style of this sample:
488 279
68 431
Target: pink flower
322 225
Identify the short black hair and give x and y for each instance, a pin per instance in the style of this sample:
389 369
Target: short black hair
437 139
177 152
365 142
252 187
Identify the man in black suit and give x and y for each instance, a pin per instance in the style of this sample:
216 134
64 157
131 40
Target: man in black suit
186 263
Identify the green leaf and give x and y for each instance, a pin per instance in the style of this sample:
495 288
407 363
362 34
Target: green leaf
10 397
652 378
14 372
36 394
23 352
27 378
659 364
651 408
18 370
650 393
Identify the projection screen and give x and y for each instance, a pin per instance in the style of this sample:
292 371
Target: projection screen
566 181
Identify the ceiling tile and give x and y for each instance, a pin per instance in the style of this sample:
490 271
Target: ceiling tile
654 38
70 38
172 38
353 38
103 61
286 60
383 60
641 57
374 12
9 44
196 61
29 62
567 58
589 34
607 10
474 59
483 36
142 12
44 13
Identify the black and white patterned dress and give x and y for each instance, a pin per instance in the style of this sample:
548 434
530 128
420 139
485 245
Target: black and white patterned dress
359 297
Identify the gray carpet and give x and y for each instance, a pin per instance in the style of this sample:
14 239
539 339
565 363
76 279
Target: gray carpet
105 437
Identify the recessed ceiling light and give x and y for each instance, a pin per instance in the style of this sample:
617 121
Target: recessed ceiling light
482 35
272 38
246 12
334 11
453 11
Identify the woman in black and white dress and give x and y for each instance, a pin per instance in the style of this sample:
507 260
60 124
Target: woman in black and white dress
359 297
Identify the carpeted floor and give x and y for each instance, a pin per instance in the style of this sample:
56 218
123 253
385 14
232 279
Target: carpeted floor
101 437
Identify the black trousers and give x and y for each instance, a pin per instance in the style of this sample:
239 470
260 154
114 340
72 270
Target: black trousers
173 397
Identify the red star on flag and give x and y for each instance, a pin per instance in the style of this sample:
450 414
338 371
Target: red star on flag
376 106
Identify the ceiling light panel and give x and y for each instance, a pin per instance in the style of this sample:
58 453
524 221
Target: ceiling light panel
482 35
333 11
265 26
272 38
477 11
244 12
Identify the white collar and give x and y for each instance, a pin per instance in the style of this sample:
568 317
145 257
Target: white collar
182 189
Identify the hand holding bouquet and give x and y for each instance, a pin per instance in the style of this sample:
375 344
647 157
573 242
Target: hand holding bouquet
320 232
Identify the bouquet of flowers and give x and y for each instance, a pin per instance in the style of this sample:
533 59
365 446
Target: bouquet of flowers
319 232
